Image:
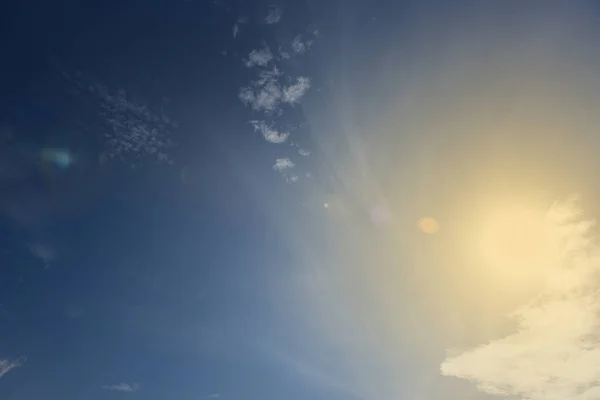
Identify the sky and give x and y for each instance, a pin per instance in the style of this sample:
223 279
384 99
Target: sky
220 199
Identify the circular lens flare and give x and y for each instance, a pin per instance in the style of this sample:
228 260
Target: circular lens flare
428 225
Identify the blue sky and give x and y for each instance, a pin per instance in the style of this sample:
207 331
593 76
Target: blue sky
221 200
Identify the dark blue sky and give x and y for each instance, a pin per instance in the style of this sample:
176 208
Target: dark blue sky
147 279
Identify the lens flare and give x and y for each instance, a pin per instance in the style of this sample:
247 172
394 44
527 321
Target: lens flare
428 225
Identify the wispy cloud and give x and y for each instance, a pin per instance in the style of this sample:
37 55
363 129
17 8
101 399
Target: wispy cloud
236 30
266 94
284 55
300 46
214 396
274 15
259 57
43 252
8 365
136 131
293 93
555 352
269 133
123 387
271 92
263 94
282 164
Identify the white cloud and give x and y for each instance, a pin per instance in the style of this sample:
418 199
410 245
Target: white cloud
214 396
269 133
300 46
555 352
7 365
274 16
266 98
283 164
123 387
264 94
260 58
293 93
268 94
236 30
268 76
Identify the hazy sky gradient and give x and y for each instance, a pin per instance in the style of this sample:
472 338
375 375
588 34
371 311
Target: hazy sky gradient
239 216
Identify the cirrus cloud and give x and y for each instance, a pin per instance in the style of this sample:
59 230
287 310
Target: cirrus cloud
123 387
8 365
273 16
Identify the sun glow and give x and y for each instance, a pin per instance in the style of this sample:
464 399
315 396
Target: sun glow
514 244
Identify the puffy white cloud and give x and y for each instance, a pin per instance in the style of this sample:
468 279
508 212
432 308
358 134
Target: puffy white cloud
304 152
123 387
555 352
269 133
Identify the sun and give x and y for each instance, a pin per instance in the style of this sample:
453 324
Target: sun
513 244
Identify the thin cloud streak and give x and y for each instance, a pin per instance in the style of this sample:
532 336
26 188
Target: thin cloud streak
123 387
7 365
